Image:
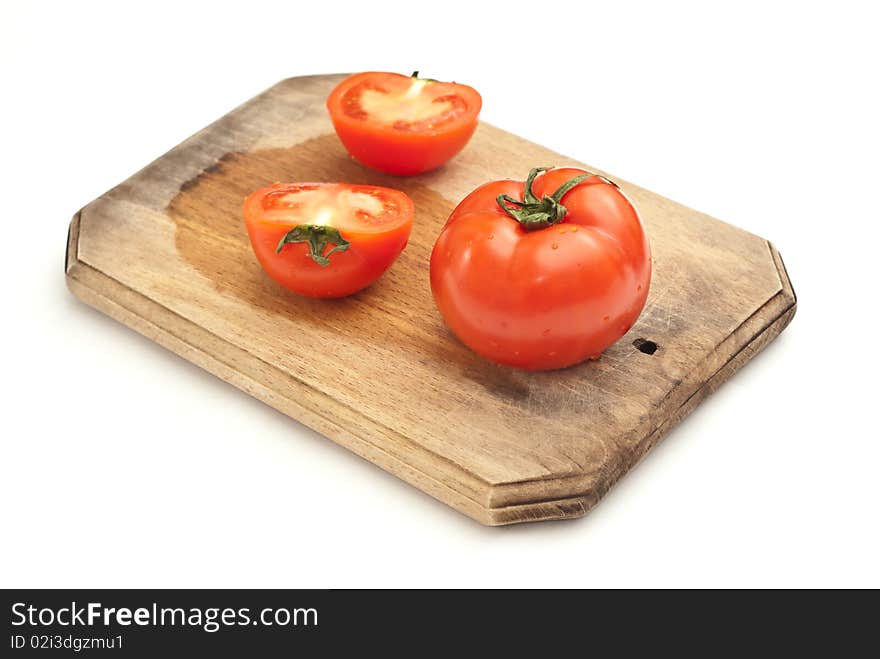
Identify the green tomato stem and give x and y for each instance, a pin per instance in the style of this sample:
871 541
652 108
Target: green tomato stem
533 213
318 237
415 76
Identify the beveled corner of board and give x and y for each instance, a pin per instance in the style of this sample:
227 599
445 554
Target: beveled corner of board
538 511
71 255
788 292
567 497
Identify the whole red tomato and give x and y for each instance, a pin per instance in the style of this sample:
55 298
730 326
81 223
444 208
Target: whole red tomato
400 124
327 239
545 273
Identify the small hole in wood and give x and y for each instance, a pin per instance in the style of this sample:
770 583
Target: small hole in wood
645 346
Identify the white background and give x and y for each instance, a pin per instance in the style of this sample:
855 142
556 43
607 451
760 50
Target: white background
123 465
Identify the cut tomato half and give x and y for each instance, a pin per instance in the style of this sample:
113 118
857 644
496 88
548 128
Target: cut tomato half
327 239
400 124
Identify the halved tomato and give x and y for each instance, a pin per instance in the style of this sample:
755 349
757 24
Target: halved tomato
400 124
327 239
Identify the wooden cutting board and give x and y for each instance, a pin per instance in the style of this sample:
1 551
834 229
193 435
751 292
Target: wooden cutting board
166 253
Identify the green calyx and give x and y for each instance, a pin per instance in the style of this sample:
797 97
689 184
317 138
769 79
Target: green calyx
533 213
318 237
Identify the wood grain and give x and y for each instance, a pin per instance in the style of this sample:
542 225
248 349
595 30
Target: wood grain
166 253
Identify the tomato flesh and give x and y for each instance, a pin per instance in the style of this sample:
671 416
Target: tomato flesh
403 125
547 298
375 221
417 107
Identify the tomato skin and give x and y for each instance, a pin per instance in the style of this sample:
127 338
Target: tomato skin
400 152
543 299
369 255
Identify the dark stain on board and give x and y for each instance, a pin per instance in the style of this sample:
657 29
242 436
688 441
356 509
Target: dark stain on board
396 310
